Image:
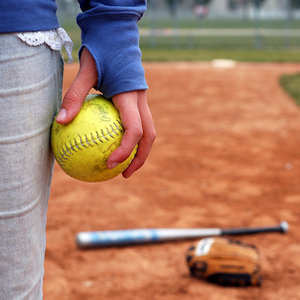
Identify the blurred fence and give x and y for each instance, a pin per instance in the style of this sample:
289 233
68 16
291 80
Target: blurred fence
221 24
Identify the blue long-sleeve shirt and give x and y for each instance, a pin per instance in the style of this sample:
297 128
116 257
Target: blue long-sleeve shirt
109 31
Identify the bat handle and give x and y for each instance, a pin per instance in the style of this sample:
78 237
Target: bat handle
282 227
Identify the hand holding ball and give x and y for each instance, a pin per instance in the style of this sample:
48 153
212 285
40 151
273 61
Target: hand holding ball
83 146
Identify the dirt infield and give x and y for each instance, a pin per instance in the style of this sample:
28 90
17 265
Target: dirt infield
227 154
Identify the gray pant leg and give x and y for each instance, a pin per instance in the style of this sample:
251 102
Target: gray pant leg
30 96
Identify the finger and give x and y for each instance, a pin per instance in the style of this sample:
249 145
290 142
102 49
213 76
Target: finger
140 158
127 104
146 142
72 101
74 97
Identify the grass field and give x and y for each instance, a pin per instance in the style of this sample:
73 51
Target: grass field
207 55
291 84
202 48
148 22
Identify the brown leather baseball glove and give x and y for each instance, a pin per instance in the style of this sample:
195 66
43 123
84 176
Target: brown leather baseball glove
225 262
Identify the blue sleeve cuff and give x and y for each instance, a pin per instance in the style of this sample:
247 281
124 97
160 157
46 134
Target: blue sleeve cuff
112 38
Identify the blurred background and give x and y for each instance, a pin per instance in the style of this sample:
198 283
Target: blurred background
243 30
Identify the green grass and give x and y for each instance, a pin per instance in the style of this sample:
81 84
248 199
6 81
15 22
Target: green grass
219 42
291 84
168 48
268 49
207 55
167 22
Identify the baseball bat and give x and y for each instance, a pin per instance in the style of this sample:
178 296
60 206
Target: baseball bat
95 239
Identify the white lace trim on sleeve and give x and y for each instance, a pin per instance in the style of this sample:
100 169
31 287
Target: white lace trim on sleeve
55 39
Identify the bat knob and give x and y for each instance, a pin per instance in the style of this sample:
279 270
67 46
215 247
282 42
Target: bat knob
284 226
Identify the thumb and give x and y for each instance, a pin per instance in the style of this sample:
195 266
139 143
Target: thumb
75 95
72 101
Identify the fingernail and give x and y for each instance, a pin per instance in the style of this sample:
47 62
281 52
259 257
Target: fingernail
61 115
113 165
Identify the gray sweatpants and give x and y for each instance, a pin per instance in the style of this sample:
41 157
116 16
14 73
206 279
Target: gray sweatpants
30 96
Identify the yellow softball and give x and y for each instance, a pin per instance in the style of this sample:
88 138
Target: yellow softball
82 147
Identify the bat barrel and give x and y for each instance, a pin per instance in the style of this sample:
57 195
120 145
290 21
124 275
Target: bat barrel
115 237
139 236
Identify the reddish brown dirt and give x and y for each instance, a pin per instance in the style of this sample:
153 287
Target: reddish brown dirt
227 155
